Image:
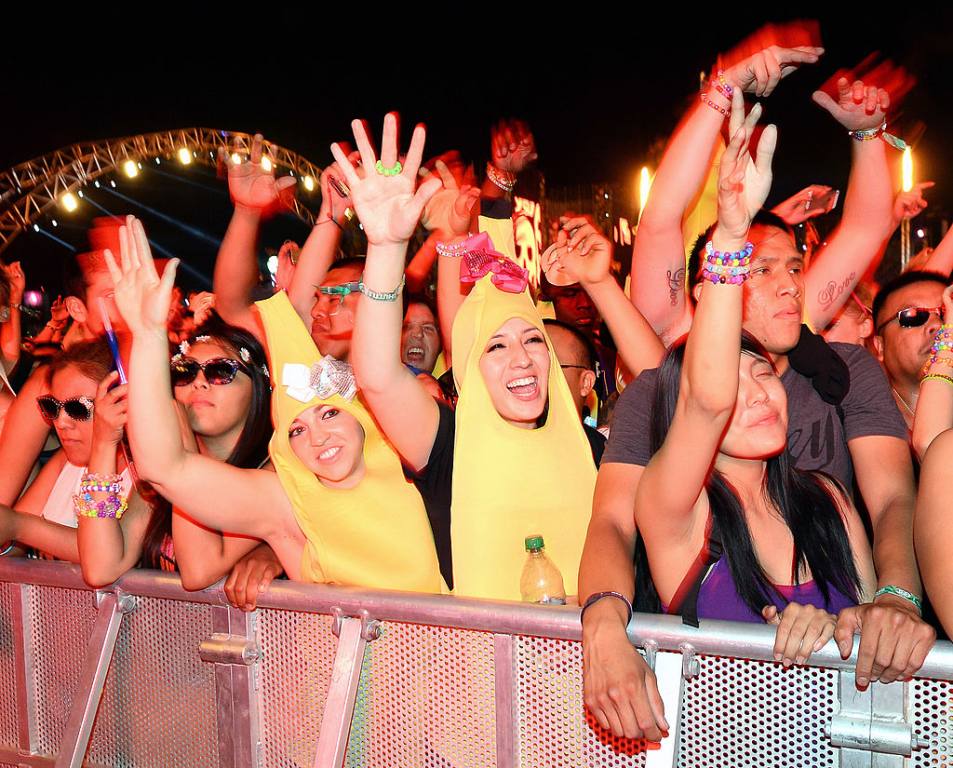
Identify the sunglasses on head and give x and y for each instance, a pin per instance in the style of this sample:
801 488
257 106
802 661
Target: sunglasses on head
77 408
218 370
913 317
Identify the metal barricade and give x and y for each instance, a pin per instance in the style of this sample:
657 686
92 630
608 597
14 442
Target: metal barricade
146 674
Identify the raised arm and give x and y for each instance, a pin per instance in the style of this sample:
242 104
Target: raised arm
188 480
934 413
254 192
941 260
584 254
23 436
932 531
10 336
666 505
658 256
868 206
389 209
318 252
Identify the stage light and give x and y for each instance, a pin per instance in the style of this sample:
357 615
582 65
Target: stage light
96 184
906 166
266 165
54 222
308 183
921 233
185 157
158 162
36 227
130 169
32 298
112 183
80 193
236 158
70 203
645 185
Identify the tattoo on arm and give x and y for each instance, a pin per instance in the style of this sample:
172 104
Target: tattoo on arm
676 284
833 291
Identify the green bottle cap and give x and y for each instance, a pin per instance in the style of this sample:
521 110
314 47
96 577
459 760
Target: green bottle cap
534 542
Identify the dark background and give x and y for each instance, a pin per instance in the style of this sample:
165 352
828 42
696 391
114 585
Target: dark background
601 94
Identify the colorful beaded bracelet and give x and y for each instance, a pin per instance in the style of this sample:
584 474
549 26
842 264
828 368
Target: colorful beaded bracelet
112 507
938 377
900 592
722 85
712 104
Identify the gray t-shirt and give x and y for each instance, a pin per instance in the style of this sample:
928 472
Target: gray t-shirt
817 437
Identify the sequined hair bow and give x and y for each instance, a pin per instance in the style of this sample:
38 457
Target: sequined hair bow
325 378
479 258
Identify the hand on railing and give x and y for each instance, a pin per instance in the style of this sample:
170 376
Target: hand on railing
802 630
251 576
894 640
618 687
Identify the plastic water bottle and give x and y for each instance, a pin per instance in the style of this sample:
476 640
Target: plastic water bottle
540 581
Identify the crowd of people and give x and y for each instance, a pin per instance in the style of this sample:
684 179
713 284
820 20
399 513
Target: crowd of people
403 420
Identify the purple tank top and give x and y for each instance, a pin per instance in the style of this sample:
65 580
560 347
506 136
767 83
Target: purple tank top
718 598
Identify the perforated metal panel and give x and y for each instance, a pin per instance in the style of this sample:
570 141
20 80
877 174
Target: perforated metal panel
158 706
9 595
555 729
932 719
427 698
62 620
293 676
746 713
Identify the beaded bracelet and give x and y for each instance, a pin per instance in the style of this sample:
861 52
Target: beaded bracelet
943 341
727 267
453 250
938 377
722 85
503 179
383 295
896 591
111 507
101 483
712 104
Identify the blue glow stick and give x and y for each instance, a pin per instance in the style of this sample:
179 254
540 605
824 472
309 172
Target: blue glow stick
111 338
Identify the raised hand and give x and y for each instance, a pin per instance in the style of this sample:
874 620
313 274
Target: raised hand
334 201
251 186
580 254
202 305
906 205
512 146
385 200
142 297
761 72
448 211
743 183
110 410
59 314
16 279
815 200
802 630
858 107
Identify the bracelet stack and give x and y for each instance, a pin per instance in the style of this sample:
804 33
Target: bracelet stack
503 179
112 506
726 267
942 343
723 86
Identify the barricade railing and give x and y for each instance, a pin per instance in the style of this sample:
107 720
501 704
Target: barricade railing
146 674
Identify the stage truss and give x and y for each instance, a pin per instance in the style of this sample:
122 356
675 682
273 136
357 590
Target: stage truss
31 190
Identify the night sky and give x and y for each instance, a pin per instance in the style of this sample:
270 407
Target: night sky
601 95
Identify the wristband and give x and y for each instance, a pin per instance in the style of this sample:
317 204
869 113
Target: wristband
868 134
383 295
938 377
713 105
900 592
597 596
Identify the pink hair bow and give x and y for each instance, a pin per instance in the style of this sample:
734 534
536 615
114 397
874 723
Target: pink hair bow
479 258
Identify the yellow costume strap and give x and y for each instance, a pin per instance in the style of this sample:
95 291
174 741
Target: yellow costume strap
509 482
373 535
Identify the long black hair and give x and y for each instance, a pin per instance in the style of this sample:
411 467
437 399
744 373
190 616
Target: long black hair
803 499
250 450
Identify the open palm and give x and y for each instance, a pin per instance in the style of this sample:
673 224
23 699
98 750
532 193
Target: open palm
142 297
251 186
387 205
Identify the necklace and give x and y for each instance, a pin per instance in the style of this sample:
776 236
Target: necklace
902 401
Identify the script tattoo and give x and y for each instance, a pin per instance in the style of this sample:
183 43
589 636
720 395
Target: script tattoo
833 291
676 283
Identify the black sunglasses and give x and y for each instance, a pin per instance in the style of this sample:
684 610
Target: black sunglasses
77 408
913 317
218 370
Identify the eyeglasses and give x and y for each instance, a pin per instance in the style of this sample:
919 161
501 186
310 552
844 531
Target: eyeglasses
341 291
913 317
218 370
77 408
